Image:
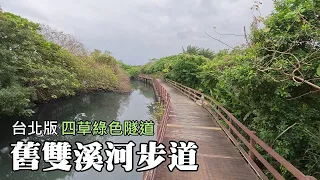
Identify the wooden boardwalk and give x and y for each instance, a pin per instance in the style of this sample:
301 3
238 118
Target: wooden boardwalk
217 157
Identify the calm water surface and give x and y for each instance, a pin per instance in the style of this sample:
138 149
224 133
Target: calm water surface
137 105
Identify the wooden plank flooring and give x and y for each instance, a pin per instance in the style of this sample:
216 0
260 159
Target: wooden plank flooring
217 157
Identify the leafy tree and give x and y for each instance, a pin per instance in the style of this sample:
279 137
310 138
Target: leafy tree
206 53
33 69
191 50
184 68
288 46
194 50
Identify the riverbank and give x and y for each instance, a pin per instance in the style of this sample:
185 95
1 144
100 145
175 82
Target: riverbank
83 93
96 106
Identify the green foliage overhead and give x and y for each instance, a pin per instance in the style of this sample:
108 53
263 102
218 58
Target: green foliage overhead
33 69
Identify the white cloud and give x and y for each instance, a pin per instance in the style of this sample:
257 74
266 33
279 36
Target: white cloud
138 30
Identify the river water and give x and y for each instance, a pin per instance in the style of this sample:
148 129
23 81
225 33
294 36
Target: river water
104 106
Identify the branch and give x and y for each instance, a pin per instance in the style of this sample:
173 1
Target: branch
219 40
283 133
307 82
313 79
304 95
293 77
286 52
245 35
214 28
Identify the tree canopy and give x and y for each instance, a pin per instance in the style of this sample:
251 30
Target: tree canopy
34 69
195 50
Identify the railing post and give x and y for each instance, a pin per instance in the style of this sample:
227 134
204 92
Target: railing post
162 95
252 144
231 124
166 98
202 98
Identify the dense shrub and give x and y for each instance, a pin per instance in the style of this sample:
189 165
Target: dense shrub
33 69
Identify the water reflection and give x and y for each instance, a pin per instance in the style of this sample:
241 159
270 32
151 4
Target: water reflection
137 105
144 89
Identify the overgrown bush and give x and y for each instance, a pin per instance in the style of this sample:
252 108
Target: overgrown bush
34 69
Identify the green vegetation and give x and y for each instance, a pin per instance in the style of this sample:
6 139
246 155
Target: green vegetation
271 84
199 51
158 112
131 71
34 69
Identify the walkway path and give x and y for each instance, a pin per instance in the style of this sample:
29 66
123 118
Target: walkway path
217 157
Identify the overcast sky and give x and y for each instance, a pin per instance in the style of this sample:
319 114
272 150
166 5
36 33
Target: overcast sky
138 30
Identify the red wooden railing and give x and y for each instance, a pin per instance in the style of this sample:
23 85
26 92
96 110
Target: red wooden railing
234 129
164 98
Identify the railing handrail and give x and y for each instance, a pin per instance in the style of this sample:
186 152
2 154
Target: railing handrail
164 96
218 109
252 149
